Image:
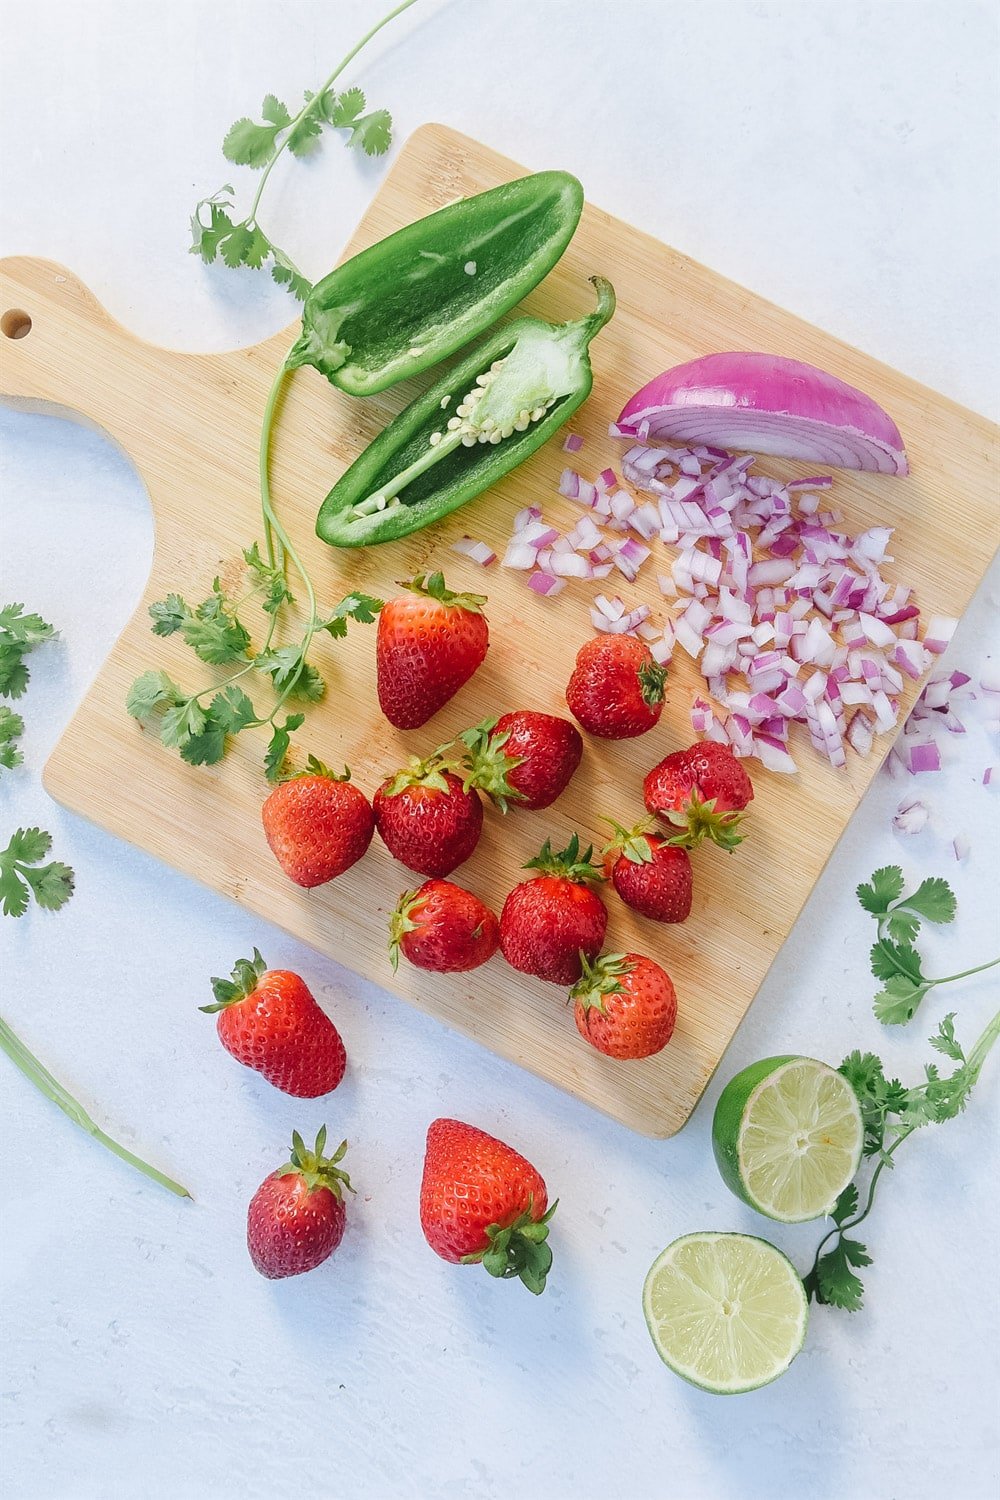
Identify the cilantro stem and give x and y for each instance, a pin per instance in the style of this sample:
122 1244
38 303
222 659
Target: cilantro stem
950 978
53 1090
289 131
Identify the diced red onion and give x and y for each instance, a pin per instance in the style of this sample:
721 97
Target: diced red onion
479 552
573 443
961 846
545 584
940 629
923 757
911 815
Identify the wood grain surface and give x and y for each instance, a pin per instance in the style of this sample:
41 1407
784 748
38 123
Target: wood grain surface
190 423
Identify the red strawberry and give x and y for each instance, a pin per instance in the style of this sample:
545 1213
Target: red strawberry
626 1005
523 758
427 818
616 690
296 1217
268 1020
547 922
481 1201
443 928
429 642
317 824
650 874
701 791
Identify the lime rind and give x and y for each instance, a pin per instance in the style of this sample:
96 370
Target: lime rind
726 1312
788 1137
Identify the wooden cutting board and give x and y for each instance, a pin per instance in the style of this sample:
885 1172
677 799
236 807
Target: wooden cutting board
189 423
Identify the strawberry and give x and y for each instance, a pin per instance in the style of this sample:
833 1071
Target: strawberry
428 644
701 791
523 758
650 874
317 824
626 1005
547 922
616 690
268 1020
443 928
427 818
296 1217
482 1203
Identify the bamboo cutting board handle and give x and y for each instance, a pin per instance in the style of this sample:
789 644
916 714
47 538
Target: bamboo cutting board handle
62 353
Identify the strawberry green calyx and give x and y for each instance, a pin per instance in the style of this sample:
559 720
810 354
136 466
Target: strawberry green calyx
426 773
400 923
316 767
569 862
632 843
652 680
698 820
520 1249
601 978
315 1169
246 973
487 767
432 586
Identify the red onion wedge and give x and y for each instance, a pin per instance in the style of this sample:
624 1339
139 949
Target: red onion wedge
765 403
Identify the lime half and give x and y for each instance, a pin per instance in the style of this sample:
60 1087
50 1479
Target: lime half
728 1312
787 1136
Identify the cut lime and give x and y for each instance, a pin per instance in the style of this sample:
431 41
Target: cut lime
787 1136
728 1312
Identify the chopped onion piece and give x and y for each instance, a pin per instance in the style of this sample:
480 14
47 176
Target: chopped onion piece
961 846
923 757
573 443
911 815
479 552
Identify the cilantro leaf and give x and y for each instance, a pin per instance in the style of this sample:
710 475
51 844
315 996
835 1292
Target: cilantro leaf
290 674
285 274
846 1205
250 145
214 633
889 958
275 112
19 634
360 607
169 614
245 245
22 875
944 1041
11 729
933 899
901 925
277 750
372 133
837 1283
150 691
271 579
898 1001
232 710
182 722
303 134
885 886
205 238
343 109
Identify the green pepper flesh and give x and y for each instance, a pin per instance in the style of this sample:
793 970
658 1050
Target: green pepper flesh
403 480
416 297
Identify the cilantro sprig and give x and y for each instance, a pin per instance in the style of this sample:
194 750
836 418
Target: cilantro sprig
894 958
891 1113
200 724
23 876
216 232
20 633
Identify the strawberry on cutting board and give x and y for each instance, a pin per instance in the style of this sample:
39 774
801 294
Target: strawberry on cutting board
428 644
296 1217
650 874
617 687
443 928
268 1020
523 759
625 1006
482 1202
701 793
427 818
547 922
317 824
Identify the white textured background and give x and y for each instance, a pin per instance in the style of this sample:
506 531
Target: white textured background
838 157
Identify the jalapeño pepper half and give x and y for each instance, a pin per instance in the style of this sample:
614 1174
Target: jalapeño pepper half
414 298
475 424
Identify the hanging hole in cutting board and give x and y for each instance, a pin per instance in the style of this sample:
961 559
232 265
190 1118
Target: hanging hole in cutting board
15 323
